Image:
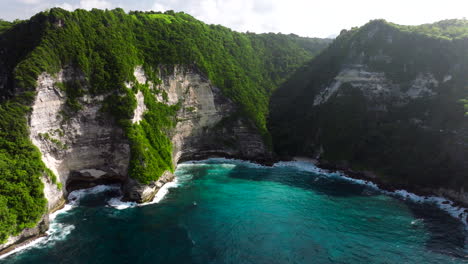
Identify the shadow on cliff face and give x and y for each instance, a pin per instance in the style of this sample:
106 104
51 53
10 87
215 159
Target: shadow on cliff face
446 234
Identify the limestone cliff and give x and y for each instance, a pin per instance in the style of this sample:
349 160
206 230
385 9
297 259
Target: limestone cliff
87 147
86 135
81 148
209 125
384 99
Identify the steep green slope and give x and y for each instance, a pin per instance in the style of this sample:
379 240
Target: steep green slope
385 98
106 46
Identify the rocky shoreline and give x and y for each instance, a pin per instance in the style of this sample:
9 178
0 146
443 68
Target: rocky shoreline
31 234
369 176
39 231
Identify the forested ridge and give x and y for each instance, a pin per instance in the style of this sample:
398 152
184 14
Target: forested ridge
418 141
106 46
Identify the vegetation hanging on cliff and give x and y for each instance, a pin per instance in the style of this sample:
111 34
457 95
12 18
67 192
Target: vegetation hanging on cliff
151 148
106 46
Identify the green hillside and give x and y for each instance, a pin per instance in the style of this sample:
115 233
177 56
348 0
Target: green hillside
404 137
106 46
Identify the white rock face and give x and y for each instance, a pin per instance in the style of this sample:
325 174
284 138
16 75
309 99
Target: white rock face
377 86
86 142
198 133
199 111
53 194
140 109
94 173
45 116
140 74
372 84
422 86
447 78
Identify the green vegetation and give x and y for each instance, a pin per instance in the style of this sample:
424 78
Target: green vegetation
73 90
151 149
58 143
22 201
421 143
4 25
465 104
106 46
449 29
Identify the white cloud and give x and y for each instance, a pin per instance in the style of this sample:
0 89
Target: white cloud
158 7
66 6
311 17
86 4
303 17
30 2
90 4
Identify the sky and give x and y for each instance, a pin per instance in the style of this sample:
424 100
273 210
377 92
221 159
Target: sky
324 18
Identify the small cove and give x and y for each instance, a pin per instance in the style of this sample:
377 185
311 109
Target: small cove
224 211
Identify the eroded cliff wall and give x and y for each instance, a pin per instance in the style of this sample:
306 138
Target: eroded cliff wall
82 148
208 125
87 147
381 99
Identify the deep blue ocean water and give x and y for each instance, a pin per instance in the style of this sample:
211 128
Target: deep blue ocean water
234 212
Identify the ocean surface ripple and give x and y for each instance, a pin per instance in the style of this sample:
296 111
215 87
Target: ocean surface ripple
229 211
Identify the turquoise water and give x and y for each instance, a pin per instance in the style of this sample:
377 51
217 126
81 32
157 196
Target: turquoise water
234 212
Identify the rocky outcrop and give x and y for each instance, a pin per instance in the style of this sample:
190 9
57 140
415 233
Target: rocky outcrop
208 125
82 148
460 196
86 147
135 191
55 201
26 236
384 100
377 87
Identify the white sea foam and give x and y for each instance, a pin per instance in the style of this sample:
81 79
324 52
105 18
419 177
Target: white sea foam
66 208
300 165
310 167
223 162
31 244
75 196
164 190
417 221
118 204
56 232
444 204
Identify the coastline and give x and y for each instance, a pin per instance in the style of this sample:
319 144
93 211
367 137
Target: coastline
457 209
399 191
402 190
42 227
